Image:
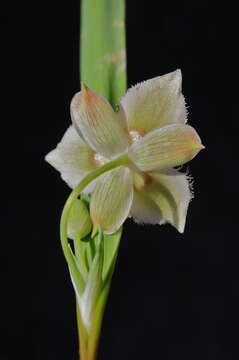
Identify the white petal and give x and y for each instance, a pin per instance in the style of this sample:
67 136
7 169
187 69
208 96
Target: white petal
155 103
111 200
172 195
164 199
166 147
98 124
72 158
144 210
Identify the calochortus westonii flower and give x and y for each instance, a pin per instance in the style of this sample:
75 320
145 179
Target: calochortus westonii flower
150 128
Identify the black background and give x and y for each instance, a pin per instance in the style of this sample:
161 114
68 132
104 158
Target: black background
173 296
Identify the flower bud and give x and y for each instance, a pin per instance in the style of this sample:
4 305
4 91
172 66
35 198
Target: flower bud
79 223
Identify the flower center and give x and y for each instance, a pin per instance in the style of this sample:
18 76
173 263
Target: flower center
139 178
135 135
100 159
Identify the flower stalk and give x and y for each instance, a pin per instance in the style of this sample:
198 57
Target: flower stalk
91 295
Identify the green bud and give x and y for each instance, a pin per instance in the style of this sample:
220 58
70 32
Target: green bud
79 222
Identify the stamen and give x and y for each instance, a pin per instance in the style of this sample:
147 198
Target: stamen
135 135
100 159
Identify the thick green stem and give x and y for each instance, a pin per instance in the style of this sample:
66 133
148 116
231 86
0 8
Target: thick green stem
102 47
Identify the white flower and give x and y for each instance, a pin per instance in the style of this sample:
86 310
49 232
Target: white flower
150 126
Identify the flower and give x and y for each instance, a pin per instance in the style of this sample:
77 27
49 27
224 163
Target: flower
150 127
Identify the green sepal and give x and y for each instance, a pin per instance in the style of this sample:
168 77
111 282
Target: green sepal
85 250
91 303
93 284
111 246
